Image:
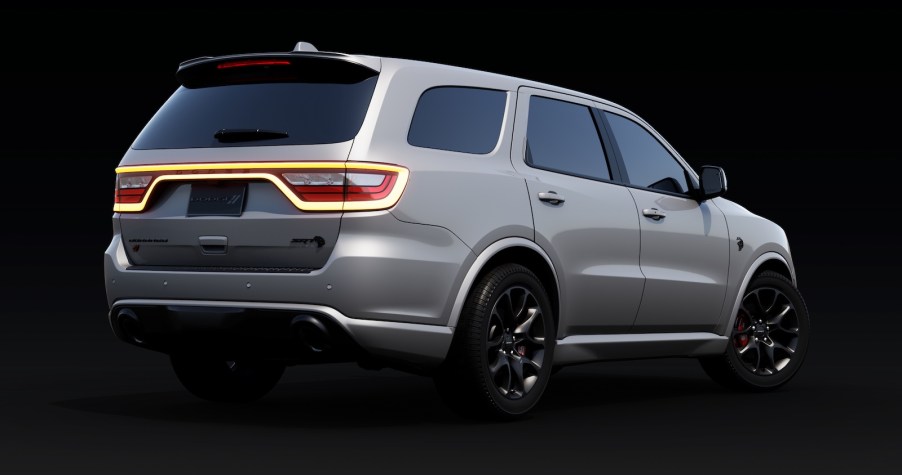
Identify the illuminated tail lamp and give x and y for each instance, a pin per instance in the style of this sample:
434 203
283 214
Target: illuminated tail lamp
310 186
131 188
318 186
354 185
368 186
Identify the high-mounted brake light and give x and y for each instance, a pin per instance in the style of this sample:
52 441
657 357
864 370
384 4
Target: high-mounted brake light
310 186
253 62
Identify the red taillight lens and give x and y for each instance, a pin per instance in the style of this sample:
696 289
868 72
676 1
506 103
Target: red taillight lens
370 185
253 62
130 188
357 185
318 185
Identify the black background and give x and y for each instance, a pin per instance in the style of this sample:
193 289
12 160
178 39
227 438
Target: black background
799 106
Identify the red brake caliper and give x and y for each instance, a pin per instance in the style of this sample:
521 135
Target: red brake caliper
742 323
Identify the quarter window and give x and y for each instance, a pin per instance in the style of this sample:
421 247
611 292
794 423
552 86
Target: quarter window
459 119
562 137
648 163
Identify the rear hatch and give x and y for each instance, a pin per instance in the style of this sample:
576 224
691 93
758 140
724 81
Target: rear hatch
244 167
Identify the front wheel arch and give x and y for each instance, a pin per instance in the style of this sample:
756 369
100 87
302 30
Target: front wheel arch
778 266
767 261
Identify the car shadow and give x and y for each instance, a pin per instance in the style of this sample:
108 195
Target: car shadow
401 400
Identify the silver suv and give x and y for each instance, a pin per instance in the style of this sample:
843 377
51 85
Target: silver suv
485 230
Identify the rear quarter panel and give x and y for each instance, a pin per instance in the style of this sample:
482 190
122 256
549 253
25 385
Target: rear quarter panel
477 197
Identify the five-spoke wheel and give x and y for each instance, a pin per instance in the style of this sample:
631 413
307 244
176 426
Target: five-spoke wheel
515 342
769 337
500 359
766 333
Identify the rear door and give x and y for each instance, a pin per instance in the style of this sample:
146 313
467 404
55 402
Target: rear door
585 222
685 244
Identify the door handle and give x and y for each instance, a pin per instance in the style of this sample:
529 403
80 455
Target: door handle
551 197
654 213
213 244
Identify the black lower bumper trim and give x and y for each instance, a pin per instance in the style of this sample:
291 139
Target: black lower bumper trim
290 336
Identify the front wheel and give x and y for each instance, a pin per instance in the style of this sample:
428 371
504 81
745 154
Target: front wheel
501 357
225 380
769 338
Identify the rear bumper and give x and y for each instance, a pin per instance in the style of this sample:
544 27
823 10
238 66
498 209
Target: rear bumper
287 332
380 269
385 293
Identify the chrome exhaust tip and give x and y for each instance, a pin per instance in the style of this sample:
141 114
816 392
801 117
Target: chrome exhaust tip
130 328
312 333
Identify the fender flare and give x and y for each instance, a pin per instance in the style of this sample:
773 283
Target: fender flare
480 262
731 320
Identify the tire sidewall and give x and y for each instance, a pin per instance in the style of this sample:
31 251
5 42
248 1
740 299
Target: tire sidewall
782 377
521 277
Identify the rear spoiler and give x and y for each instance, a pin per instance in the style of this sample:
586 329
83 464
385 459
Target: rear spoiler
301 66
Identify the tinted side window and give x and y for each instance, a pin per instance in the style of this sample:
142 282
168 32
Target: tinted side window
647 162
561 136
459 119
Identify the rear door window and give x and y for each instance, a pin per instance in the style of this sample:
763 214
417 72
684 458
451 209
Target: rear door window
562 137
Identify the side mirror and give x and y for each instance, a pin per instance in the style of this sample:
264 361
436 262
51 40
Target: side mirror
713 182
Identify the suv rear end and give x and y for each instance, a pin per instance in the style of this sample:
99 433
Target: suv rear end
252 223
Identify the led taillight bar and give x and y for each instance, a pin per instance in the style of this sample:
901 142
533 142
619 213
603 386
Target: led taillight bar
310 186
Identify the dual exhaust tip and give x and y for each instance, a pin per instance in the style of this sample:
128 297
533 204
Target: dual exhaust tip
130 327
310 331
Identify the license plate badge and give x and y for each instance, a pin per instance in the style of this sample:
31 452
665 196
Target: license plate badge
208 199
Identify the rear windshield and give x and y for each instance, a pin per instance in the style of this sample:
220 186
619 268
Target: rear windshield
297 111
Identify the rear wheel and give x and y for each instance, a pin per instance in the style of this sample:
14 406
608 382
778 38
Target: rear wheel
500 361
769 338
224 380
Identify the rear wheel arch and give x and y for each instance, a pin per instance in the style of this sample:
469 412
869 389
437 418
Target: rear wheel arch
515 251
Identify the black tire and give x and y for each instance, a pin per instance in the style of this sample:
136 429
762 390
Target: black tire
769 338
501 357
222 380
